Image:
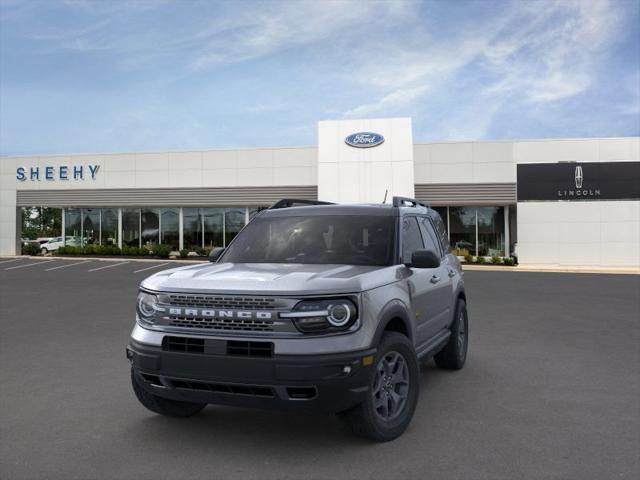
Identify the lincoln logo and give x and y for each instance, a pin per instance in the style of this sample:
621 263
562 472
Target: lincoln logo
579 191
579 177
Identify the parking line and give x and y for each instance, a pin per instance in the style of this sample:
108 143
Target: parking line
30 264
65 266
149 268
108 266
9 261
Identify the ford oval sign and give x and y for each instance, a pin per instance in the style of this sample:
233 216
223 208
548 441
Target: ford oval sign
364 139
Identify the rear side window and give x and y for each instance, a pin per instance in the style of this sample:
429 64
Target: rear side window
441 230
411 238
431 241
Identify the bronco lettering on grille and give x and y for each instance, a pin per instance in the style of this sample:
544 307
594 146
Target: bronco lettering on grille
196 312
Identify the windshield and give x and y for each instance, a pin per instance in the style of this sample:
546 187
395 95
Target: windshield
342 239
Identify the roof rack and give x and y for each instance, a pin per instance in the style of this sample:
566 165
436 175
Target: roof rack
292 202
412 202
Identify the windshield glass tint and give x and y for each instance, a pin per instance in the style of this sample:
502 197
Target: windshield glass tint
350 240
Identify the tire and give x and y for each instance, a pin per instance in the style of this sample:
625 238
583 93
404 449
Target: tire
44 251
164 406
368 419
454 353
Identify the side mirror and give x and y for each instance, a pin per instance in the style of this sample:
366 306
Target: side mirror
424 259
214 255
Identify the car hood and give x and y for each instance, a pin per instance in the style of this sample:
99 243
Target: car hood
271 279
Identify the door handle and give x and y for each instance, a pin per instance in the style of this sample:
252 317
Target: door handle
435 279
452 273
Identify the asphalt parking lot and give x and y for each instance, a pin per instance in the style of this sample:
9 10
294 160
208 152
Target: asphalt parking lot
551 390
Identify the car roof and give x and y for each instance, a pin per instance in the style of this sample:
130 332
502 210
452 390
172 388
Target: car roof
369 209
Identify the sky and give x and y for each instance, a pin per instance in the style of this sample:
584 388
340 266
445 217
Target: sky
88 76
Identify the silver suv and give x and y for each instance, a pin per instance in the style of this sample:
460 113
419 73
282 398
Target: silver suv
319 307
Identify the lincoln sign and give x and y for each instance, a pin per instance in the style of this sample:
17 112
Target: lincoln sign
578 181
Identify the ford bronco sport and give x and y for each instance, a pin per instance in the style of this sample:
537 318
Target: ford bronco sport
313 306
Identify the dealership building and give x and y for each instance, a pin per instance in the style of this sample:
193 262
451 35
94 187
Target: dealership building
560 202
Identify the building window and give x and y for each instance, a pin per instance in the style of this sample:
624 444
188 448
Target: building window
490 231
131 227
73 227
213 219
191 228
462 233
253 211
150 222
170 227
234 220
109 226
90 226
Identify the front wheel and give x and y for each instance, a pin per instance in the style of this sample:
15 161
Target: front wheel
164 406
393 393
454 353
44 251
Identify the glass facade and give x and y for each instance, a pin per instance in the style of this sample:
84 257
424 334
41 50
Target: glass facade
150 224
170 227
90 226
131 227
109 226
73 226
213 219
192 228
477 231
462 230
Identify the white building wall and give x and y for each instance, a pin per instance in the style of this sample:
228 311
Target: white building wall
202 168
579 233
464 162
347 174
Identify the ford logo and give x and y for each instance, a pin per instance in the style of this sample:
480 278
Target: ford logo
364 139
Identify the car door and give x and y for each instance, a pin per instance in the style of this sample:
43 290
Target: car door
424 284
443 295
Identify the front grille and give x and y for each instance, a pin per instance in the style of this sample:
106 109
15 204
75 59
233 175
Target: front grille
228 324
254 390
250 349
222 302
183 344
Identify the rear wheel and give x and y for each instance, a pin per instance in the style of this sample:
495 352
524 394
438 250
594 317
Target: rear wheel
393 394
44 251
164 406
454 353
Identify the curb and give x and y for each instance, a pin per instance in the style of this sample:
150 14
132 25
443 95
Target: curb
552 269
106 259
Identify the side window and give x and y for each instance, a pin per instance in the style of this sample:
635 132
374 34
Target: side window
441 230
431 241
411 238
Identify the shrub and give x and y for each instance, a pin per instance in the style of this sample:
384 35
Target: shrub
31 249
89 250
496 260
162 251
183 253
481 260
200 251
509 261
468 258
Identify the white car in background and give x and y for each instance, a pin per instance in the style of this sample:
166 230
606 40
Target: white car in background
56 242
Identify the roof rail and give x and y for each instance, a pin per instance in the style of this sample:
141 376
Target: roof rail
402 201
292 202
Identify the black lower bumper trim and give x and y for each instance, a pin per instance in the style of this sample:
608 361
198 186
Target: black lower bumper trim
321 383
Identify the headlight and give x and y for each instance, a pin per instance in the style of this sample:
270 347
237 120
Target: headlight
146 306
319 316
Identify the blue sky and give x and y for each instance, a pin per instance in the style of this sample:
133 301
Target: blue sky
104 76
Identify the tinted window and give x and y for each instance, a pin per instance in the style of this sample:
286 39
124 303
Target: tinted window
411 238
350 240
431 242
441 230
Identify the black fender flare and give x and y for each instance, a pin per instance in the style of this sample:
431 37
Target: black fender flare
393 309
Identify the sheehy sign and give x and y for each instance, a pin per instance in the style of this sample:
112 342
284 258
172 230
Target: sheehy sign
577 181
60 172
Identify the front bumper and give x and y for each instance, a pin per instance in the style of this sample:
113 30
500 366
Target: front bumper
319 383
